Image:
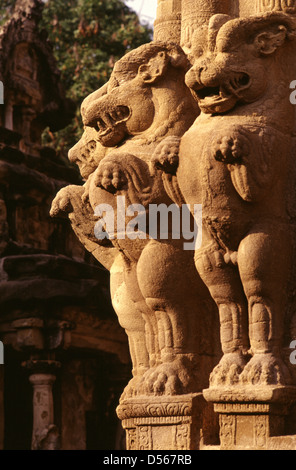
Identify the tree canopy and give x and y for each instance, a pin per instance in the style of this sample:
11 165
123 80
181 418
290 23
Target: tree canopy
88 37
6 7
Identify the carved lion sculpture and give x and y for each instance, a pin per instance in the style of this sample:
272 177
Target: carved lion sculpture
74 201
145 107
234 160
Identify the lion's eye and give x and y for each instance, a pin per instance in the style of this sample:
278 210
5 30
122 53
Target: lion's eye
91 145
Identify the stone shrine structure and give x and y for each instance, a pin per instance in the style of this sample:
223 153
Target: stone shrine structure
65 356
200 117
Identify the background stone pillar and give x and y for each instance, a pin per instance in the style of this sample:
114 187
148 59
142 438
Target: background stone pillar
196 14
42 376
167 25
287 6
247 7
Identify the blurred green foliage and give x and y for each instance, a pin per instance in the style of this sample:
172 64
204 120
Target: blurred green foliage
6 9
88 37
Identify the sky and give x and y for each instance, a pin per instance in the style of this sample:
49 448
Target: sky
146 9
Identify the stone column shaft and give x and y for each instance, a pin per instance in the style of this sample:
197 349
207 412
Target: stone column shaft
167 25
42 376
196 14
287 6
43 411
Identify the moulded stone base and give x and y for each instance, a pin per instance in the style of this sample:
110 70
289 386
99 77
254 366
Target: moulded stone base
162 423
252 418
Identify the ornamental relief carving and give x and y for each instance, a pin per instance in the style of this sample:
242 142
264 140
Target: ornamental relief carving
287 6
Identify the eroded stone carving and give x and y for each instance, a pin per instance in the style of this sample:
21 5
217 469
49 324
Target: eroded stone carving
287 6
147 142
157 294
235 161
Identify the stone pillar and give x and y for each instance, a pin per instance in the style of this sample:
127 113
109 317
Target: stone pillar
162 423
167 25
8 115
196 15
286 6
42 375
247 8
29 333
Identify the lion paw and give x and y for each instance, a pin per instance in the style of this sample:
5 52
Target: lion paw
110 176
228 370
62 202
132 389
265 369
231 149
166 155
169 378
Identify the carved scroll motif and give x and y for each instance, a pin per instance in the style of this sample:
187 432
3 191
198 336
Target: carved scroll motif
227 429
261 430
287 6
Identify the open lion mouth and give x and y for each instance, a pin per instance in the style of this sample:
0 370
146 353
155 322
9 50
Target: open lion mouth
222 97
214 99
207 92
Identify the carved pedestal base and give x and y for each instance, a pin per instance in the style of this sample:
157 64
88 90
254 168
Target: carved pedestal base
162 423
250 417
